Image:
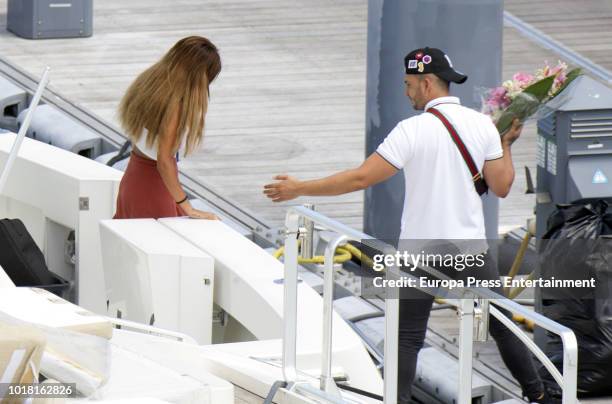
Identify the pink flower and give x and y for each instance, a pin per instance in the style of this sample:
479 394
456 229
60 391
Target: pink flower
492 105
558 83
523 79
499 91
559 68
560 79
499 97
496 101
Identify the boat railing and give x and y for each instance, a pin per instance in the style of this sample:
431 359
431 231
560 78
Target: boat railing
294 223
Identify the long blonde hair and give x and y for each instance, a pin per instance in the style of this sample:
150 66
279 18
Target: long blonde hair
178 82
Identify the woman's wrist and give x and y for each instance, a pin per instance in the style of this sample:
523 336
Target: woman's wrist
186 206
182 201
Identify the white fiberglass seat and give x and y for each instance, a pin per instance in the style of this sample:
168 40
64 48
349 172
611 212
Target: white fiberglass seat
55 192
154 276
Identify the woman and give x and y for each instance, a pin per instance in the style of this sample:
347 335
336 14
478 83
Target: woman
163 114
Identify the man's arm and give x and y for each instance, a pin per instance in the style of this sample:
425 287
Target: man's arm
499 173
374 170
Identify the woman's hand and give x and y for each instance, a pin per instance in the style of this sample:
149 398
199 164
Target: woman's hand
198 214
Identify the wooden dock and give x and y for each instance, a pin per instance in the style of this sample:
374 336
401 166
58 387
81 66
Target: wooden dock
291 96
584 26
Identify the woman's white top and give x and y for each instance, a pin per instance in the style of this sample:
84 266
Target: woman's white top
141 144
151 152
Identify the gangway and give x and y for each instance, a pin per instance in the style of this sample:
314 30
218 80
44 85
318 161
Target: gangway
465 304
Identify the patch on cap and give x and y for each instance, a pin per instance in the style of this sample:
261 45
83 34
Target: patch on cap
412 64
421 67
427 59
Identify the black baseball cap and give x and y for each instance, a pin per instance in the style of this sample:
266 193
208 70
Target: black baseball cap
432 61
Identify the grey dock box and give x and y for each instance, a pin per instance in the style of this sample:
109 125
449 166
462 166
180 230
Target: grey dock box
574 155
38 19
52 126
12 102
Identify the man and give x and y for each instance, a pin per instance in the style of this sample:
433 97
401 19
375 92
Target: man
441 201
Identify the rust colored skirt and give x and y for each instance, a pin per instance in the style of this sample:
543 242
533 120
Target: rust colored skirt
142 192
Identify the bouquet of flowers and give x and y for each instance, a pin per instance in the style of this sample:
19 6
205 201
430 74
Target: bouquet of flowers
526 94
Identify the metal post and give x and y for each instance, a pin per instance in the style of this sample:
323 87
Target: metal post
466 338
290 298
570 367
307 248
24 128
391 341
482 320
327 381
568 380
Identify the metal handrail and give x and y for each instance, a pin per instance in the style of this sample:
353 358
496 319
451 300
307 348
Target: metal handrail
567 380
327 381
292 221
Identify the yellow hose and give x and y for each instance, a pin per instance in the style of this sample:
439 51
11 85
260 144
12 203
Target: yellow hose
342 255
279 253
514 292
517 291
360 255
518 260
348 251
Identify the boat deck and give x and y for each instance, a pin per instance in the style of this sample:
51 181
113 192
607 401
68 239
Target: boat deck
291 97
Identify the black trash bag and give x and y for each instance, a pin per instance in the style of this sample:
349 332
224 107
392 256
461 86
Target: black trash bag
578 245
23 262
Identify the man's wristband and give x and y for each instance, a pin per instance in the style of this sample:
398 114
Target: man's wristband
182 200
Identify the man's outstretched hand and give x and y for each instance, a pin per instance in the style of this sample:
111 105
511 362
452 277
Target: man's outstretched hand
284 190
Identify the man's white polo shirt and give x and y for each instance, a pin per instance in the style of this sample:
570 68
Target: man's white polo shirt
440 200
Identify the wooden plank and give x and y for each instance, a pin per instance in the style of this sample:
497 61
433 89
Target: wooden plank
583 25
275 59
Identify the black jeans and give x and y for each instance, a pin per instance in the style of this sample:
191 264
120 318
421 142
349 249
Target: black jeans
414 309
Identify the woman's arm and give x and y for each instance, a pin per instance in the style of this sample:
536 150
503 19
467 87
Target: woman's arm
168 172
